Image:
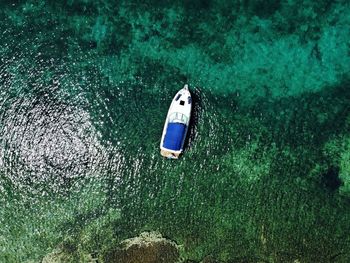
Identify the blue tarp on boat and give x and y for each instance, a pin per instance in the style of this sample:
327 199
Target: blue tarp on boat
174 136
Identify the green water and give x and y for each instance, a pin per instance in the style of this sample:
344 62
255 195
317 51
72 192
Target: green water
84 91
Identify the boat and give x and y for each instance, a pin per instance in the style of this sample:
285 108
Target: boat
176 124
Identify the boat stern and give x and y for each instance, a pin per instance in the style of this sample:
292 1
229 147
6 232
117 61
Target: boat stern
169 155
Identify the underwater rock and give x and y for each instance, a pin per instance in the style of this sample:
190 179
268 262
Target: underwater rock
59 255
56 256
209 259
149 247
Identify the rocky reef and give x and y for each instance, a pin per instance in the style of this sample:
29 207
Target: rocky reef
59 255
149 247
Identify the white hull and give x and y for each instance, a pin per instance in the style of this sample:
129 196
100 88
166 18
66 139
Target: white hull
180 113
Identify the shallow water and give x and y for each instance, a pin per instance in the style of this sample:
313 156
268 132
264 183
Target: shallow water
84 91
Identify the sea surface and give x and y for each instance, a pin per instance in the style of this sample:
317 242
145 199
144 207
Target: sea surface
84 91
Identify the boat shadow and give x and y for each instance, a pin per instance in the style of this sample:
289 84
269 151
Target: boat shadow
195 116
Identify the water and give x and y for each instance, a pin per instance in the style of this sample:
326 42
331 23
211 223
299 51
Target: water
84 90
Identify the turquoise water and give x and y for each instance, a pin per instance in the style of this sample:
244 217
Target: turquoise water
84 91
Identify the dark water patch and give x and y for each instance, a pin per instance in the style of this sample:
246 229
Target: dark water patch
294 19
331 179
308 121
260 8
82 8
198 5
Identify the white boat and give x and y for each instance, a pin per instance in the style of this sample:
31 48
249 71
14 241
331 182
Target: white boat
176 124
